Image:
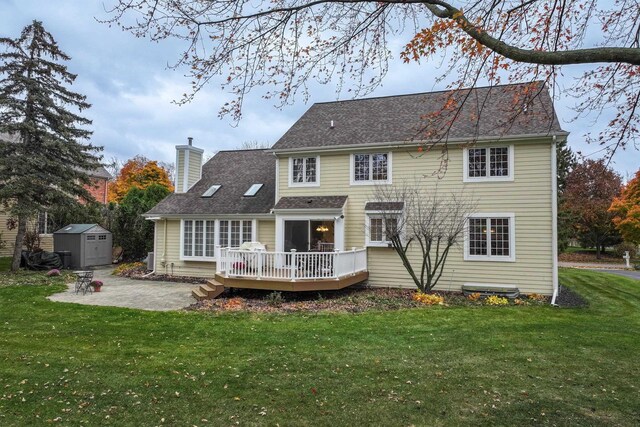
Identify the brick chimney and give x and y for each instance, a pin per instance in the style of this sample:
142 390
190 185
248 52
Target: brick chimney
188 166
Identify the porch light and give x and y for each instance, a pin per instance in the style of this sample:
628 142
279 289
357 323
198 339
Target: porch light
322 228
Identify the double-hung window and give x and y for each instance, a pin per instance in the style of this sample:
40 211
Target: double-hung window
198 239
234 233
488 164
304 171
380 229
371 168
490 237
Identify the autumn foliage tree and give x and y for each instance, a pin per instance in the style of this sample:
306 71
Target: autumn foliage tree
589 190
138 172
626 211
286 45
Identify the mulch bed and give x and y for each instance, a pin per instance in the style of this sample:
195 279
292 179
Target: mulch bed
570 299
589 257
349 300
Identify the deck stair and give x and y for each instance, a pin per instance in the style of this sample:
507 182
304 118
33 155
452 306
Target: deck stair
210 290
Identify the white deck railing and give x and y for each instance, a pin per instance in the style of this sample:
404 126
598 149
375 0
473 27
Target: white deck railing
290 266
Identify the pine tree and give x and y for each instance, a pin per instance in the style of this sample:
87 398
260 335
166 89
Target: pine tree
42 162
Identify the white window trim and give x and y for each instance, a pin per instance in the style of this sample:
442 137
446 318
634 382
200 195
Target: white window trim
367 235
465 165
254 232
184 257
304 184
352 169
512 239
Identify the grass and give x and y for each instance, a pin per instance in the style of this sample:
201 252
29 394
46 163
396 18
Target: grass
5 263
434 366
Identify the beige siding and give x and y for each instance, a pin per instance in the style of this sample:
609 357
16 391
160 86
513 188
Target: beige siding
46 242
267 234
167 258
179 171
8 236
195 163
528 196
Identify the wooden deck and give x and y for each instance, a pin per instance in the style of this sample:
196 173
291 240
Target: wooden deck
301 285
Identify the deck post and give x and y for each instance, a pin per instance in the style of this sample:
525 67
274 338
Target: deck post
353 255
294 265
218 256
259 273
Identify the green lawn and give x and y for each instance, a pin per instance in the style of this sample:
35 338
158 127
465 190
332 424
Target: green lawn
434 366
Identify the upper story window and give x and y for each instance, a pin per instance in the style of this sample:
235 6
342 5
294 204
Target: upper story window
490 237
488 164
303 171
371 168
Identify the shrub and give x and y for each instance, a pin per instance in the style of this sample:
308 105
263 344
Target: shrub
53 272
275 298
619 250
428 299
496 300
519 301
537 297
129 268
474 296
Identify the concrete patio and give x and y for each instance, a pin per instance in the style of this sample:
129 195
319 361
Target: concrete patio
131 293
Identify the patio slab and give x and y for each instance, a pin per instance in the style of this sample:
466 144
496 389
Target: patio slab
130 293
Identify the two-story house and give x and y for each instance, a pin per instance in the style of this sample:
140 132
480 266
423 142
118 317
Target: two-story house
309 201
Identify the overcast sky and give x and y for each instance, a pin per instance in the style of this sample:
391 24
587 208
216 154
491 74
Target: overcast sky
130 87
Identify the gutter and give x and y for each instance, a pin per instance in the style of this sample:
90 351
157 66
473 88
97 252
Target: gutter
416 143
554 219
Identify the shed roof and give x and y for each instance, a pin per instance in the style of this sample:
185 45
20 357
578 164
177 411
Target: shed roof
486 112
81 228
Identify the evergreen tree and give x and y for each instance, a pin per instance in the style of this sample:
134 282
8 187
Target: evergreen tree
565 163
42 162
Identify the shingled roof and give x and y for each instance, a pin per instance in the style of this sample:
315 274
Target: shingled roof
311 202
486 112
235 172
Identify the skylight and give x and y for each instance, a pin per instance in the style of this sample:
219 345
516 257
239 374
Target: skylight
253 190
212 190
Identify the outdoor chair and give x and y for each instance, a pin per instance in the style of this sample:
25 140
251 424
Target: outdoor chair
83 281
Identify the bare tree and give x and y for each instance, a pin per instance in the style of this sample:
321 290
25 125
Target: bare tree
254 145
413 214
285 45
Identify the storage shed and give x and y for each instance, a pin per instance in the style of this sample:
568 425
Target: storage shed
89 244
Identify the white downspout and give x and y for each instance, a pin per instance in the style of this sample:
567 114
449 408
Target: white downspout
554 219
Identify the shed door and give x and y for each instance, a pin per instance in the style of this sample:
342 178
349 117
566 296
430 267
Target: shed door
91 249
97 249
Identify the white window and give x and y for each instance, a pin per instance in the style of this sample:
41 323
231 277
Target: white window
303 171
198 239
371 168
490 237
380 229
233 233
488 164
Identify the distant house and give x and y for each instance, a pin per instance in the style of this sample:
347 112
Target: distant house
98 188
300 216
